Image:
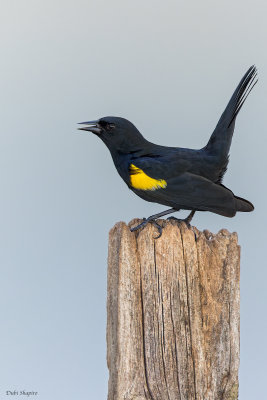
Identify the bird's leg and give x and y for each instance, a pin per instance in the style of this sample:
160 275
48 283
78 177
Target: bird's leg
152 219
187 220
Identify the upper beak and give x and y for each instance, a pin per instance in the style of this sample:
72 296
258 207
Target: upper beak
93 126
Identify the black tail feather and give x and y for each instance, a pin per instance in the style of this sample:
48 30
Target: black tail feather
242 91
221 138
243 205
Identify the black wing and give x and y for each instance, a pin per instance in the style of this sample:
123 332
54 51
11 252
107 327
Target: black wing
187 191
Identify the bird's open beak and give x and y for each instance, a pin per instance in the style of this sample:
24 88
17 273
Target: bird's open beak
93 126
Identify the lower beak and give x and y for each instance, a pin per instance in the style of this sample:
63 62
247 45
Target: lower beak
93 126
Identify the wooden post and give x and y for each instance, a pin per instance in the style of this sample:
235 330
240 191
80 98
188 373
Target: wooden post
173 314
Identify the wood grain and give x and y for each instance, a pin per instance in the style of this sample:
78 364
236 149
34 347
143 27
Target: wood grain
172 314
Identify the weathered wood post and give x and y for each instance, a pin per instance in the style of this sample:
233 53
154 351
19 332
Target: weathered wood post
173 314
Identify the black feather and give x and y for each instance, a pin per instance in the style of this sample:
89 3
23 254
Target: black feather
243 90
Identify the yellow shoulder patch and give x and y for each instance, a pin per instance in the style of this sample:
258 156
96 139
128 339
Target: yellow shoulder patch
140 180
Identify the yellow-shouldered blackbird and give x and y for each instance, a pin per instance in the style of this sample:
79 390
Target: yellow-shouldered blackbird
177 177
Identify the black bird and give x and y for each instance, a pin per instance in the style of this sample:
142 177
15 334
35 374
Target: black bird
177 177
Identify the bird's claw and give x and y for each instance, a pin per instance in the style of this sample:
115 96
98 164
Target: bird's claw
144 223
153 220
159 228
186 221
175 219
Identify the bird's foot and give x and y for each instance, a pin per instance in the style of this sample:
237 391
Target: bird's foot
187 220
146 221
175 219
152 220
181 220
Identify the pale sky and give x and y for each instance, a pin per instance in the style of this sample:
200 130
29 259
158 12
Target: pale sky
170 67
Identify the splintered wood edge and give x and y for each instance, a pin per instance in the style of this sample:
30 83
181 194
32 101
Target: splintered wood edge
119 226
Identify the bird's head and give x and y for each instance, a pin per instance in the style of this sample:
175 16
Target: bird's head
117 133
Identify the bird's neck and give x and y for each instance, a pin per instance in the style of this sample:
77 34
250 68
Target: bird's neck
137 147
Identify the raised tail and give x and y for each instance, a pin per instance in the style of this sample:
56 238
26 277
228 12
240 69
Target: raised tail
220 140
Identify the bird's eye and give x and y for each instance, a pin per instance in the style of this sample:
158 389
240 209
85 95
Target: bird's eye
109 127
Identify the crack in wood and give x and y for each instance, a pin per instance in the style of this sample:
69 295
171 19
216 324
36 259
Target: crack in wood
143 338
189 316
